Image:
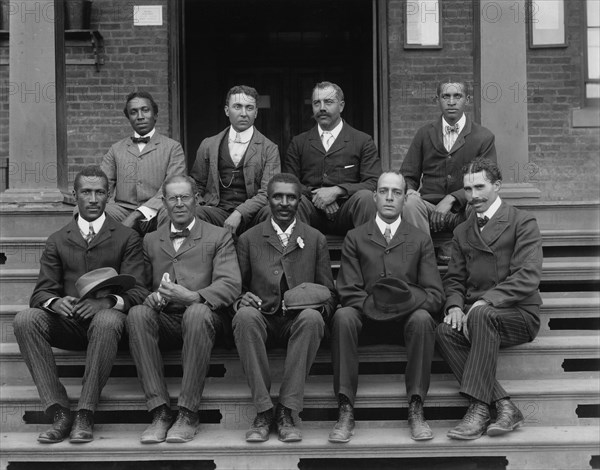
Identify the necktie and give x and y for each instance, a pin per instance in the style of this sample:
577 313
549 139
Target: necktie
481 221
327 138
91 234
387 234
180 234
238 138
140 140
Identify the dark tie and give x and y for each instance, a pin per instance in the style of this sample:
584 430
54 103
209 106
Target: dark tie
140 140
180 234
481 221
453 128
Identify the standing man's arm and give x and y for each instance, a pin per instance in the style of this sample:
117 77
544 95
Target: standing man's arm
109 166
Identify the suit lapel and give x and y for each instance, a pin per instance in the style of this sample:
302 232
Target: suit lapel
104 234
133 148
252 151
151 146
270 235
474 235
496 225
190 242
342 139
315 140
74 234
214 160
375 235
400 236
460 140
436 136
165 243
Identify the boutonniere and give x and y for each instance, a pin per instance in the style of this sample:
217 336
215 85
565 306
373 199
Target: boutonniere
300 242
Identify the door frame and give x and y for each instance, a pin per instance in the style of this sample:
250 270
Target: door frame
381 108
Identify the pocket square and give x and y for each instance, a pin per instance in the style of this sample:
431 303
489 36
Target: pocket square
348 166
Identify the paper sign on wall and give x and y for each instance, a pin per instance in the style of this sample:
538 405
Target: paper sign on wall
147 15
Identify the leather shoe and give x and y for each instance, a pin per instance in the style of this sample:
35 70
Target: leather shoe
162 418
261 427
508 418
287 430
185 427
473 424
343 429
419 429
82 427
61 425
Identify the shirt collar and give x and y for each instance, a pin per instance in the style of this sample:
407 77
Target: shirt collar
278 230
84 225
461 123
245 136
149 134
189 227
382 224
335 131
492 209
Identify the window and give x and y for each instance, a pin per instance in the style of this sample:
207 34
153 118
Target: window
592 53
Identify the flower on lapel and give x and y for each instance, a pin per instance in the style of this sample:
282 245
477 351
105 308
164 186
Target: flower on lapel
300 242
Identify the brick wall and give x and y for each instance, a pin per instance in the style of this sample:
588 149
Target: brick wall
566 158
135 57
414 73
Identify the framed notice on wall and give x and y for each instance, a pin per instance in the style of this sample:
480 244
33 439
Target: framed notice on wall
547 23
422 25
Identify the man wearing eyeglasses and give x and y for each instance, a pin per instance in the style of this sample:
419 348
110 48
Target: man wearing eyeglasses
337 165
433 165
390 290
232 168
195 276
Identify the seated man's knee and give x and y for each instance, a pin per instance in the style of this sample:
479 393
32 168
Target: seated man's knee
25 320
108 319
420 318
312 317
413 203
246 316
197 316
481 314
345 317
443 330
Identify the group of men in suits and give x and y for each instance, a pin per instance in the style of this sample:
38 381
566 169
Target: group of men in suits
238 240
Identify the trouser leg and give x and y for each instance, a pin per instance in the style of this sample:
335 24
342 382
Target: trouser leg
346 326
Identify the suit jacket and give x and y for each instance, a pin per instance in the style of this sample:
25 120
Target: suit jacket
436 171
67 256
352 162
205 263
366 257
264 261
501 264
135 178
261 162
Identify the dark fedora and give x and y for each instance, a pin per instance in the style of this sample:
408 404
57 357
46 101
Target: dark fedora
393 299
102 278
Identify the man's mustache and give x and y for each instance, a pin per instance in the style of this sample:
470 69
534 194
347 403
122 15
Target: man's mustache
477 200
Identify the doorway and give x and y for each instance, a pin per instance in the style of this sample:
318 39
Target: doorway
281 48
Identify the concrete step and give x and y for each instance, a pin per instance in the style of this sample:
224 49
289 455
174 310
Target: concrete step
22 252
560 312
33 219
18 283
542 402
528 448
545 357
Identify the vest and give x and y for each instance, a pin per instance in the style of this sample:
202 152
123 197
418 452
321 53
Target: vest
232 185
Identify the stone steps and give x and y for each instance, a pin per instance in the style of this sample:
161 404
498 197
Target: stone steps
561 311
545 357
528 448
542 401
18 283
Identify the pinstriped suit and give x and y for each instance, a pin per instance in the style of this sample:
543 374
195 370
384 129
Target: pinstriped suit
66 257
206 263
502 265
135 178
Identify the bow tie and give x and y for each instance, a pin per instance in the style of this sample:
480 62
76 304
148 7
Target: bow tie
180 234
140 140
481 221
453 128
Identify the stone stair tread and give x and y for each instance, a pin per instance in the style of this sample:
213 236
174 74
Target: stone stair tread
571 344
373 390
212 443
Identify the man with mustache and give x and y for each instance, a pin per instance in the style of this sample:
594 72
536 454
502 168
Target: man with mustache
337 165
492 299
432 166
137 165
232 168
